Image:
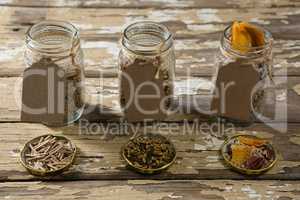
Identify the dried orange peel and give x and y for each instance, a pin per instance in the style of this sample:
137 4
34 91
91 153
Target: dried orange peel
245 35
251 141
240 153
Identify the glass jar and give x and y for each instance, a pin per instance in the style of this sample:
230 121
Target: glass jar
241 78
58 42
147 68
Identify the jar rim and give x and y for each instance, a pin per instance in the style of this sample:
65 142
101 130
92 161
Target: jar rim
139 48
68 28
227 43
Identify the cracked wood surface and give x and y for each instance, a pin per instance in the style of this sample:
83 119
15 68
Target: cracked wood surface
152 3
197 33
197 26
99 151
153 190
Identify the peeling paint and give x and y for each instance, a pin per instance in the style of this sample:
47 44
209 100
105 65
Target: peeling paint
7 1
296 88
195 45
252 194
83 25
282 96
213 162
208 15
63 3
204 28
192 86
260 21
285 21
261 134
228 188
110 29
295 140
174 196
10 54
167 15
199 147
110 47
143 182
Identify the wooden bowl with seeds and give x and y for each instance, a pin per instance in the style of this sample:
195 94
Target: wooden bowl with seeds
48 155
149 153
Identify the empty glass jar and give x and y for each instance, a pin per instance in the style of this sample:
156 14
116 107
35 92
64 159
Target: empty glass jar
57 43
147 65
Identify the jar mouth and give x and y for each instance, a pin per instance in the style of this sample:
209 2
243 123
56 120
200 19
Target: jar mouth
227 44
146 37
52 36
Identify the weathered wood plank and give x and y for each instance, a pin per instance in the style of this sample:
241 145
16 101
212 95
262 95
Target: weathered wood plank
192 99
99 152
149 189
186 23
194 57
151 3
197 33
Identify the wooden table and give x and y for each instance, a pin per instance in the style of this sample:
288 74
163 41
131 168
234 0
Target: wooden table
199 172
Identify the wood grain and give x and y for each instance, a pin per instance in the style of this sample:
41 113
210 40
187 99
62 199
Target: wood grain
153 190
151 3
197 33
184 23
197 26
100 145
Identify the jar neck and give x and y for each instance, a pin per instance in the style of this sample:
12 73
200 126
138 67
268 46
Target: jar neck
53 38
147 38
227 49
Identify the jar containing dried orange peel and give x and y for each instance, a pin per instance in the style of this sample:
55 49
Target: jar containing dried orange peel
244 68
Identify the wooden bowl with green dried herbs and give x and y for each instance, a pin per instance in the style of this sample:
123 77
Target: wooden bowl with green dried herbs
149 153
48 155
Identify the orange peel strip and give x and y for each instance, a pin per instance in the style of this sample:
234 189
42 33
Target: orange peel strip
245 35
251 141
240 153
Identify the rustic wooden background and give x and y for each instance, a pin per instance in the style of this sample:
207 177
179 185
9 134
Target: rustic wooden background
199 172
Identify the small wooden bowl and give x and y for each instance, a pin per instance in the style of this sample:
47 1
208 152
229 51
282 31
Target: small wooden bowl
43 173
244 170
149 171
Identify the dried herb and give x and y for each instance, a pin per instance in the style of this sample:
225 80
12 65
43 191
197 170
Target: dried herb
149 151
48 153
